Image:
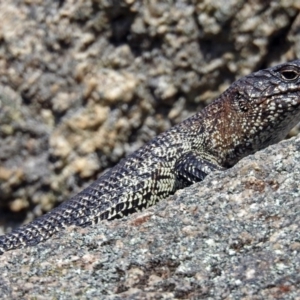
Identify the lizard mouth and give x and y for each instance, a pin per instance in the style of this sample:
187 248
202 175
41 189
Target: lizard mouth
281 98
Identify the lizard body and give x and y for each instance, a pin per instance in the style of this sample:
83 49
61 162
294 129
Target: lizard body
254 112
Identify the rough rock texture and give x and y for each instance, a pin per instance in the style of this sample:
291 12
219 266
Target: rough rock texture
84 83
233 236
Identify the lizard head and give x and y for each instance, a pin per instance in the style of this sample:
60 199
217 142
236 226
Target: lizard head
261 109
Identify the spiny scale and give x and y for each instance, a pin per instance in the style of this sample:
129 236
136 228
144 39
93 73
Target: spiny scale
254 112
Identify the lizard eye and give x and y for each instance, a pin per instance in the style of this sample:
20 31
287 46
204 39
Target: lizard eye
289 75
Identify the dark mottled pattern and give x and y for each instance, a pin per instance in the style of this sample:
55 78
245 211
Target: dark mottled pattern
254 112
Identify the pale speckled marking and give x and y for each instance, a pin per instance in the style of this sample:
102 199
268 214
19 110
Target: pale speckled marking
256 111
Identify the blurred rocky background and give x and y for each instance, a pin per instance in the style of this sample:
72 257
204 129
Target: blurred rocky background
84 83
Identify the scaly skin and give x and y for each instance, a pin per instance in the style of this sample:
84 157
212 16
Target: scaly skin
253 113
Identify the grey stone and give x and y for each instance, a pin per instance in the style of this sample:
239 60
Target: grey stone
147 65
233 236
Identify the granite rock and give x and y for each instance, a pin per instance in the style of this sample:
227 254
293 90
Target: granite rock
233 236
85 83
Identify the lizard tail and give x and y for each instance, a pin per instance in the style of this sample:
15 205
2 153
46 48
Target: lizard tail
72 212
31 234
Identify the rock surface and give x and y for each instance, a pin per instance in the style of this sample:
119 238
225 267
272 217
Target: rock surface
84 83
233 236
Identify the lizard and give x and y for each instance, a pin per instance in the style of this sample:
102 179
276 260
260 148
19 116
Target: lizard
254 112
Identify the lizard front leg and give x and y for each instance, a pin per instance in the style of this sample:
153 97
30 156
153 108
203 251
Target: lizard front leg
193 167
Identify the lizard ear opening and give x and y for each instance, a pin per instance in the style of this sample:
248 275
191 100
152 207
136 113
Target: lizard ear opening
242 103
